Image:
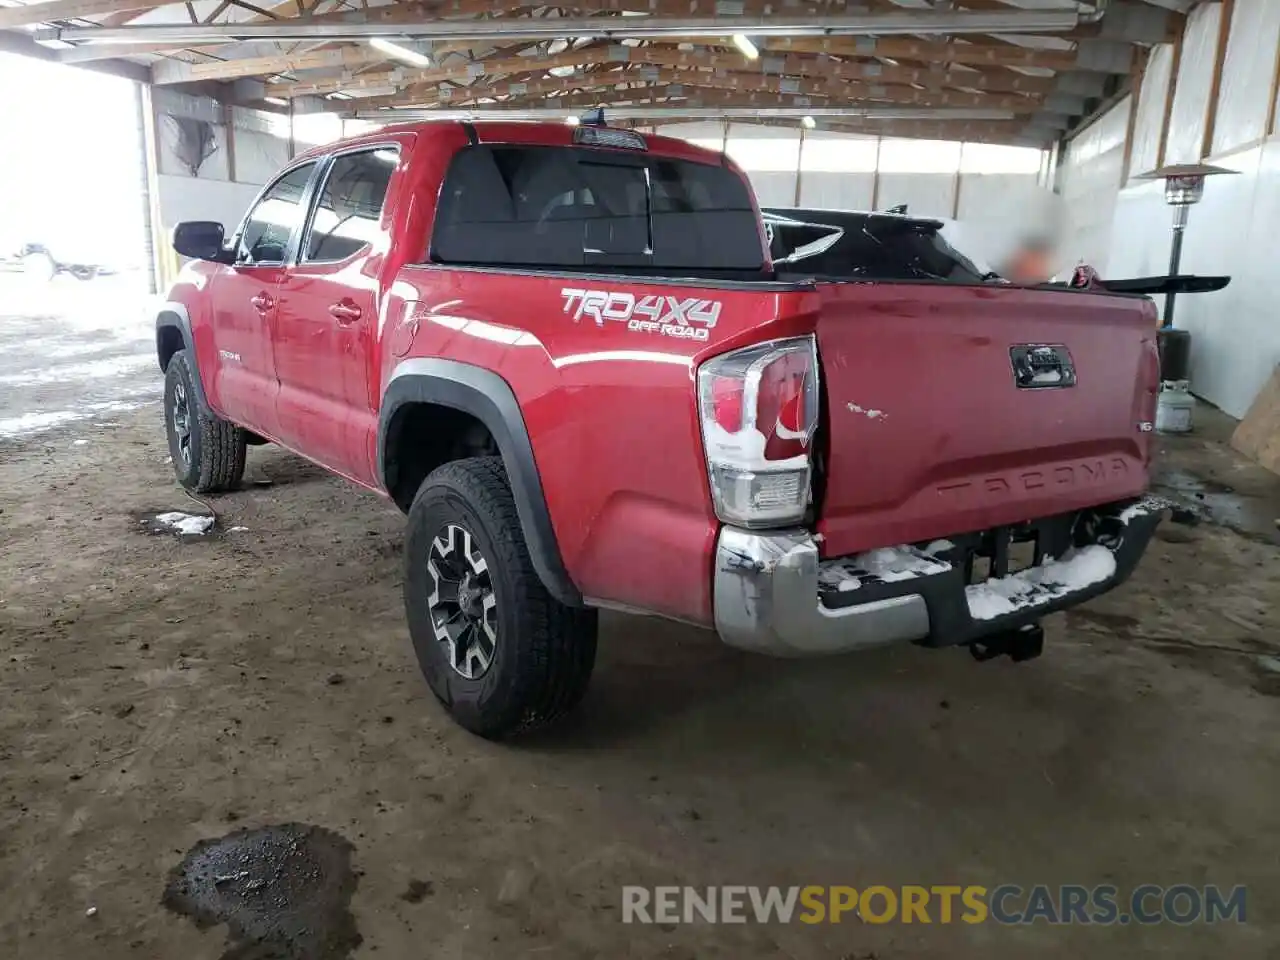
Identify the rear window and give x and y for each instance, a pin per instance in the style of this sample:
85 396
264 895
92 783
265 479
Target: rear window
575 207
883 248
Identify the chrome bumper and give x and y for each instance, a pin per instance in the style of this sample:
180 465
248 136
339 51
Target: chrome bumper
765 598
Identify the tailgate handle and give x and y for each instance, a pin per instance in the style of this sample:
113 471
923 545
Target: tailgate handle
1039 366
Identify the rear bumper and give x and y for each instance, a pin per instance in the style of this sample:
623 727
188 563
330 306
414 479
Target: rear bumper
769 594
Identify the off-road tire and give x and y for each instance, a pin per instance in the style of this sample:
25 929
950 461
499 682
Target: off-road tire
544 651
214 449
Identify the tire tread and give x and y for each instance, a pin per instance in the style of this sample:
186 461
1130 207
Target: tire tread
557 644
222 445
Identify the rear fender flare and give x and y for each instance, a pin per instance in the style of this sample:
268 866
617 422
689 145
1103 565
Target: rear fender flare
489 398
174 316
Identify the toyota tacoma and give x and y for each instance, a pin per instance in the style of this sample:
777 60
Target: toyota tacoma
567 354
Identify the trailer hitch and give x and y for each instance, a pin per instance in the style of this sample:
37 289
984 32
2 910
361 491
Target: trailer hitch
1022 643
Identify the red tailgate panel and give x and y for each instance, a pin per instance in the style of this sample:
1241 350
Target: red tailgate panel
927 434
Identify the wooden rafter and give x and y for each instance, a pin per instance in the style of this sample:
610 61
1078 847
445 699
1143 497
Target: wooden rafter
338 58
68 10
461 71
928 51
826 93
786 70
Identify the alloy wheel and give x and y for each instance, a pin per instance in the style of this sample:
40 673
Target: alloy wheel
463 607
182 421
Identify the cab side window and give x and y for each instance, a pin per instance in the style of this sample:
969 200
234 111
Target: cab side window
348 215
265 237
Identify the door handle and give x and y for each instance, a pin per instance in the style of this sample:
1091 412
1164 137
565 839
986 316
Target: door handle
345 311
262 302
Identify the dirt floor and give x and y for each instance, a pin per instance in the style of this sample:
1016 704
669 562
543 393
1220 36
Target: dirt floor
156 692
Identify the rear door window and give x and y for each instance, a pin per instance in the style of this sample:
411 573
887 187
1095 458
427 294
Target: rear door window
577 207
348 215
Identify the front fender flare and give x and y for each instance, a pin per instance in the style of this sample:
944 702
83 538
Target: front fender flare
489 398
174 316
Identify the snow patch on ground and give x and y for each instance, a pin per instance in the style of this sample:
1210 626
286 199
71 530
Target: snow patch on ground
90 370
1145 506
868 413
238 530
79 443
1039 585
187 524
939 546
35 422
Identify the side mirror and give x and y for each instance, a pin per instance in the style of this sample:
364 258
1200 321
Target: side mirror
201 240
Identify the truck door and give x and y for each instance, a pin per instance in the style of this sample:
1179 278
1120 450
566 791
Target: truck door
327 316
244 298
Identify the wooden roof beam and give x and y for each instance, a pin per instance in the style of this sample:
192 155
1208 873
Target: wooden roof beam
462 71
928 51
820 92
68 10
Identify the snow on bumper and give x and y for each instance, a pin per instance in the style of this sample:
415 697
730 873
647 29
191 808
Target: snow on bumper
774 594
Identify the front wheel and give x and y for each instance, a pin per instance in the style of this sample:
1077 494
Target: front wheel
496 648
208 452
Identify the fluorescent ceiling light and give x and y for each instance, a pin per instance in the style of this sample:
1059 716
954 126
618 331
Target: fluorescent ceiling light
337 95
278 101
743 43
399 52
808 122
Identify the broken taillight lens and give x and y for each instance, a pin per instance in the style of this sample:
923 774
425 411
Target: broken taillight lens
759 410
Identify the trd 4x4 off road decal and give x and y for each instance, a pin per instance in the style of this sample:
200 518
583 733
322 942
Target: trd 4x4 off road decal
691 318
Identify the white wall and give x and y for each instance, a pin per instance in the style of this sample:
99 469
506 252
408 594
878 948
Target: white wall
991 197
1195 79
185 198
1153 96
1089 181
837 172
1232 231
1247 72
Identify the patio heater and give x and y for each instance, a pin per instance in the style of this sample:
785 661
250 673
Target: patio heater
1183 188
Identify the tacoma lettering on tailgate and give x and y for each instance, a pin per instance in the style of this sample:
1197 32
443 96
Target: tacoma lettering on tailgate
1060 478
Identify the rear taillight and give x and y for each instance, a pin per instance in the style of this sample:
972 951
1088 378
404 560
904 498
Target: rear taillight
759 409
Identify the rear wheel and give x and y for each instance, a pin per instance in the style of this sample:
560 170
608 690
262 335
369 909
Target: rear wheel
497 650
208 452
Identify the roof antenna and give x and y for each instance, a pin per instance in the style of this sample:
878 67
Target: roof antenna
593 118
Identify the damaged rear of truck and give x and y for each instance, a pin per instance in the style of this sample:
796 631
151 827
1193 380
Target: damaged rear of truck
978 459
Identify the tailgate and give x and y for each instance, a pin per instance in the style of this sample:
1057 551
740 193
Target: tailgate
943 415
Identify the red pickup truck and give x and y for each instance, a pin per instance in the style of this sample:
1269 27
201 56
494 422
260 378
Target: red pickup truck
565 353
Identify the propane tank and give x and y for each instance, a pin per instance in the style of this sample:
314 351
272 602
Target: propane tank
1174 407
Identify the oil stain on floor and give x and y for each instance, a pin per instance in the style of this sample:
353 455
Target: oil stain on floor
283 891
